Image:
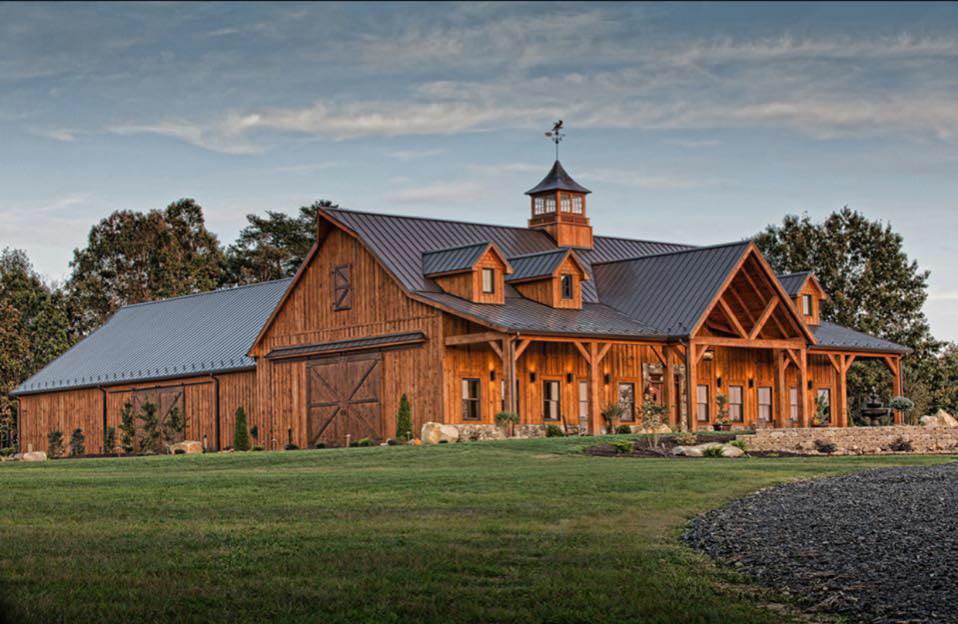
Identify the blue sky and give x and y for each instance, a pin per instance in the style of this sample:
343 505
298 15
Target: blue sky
694 123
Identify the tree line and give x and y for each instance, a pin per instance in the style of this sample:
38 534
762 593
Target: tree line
132 257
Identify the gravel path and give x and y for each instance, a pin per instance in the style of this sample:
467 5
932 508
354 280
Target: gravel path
878 546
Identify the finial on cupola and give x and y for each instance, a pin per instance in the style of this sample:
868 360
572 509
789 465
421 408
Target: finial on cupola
558 203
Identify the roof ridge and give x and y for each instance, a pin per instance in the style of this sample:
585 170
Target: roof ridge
204 293
676 252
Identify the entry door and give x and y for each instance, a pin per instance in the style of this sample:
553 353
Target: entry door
344 399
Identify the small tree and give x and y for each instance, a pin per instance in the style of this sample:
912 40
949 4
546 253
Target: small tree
821 410
127 427
152 433
722 402
902 404
77 443
652 417
109 440
240 432
612 413
508 421
404 420
173 426
54 444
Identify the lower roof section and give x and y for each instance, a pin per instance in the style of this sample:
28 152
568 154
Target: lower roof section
831 336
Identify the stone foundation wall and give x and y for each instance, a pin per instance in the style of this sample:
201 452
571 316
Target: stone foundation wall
854 440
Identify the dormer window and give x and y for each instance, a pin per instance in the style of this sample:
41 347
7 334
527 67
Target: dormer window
807 305
577 204
488 281
566 286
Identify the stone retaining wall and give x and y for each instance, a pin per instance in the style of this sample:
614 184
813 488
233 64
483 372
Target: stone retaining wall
854 440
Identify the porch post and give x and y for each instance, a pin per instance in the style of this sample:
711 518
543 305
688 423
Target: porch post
595 411
691 385
843 391
781 391
895 365
509 371
803 388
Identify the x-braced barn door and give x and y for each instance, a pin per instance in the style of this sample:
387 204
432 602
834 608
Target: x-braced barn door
344 399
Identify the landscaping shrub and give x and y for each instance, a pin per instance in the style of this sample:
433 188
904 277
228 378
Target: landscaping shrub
508 421
179 451
127 427
612 413
392 442
8 451
825 447
624 446
364 442
712 451
240 432
318 445
151 433
54 444
684 438
623 430
293 447
739 444
404 420
257 448
554 431
254 432
901 445
77 443
653 415
174 425
109 440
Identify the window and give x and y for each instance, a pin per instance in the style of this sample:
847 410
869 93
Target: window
566 282
550 204
565 204
702 403
807 305
735 403
577 205
342 288
471 406
765 404
793 403
583 400
627 400
488 281
550 399
538 206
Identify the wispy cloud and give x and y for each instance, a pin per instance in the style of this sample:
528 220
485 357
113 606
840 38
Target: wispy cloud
406 155
433 193
216 138
57 134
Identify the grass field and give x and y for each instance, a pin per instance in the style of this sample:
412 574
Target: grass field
513 531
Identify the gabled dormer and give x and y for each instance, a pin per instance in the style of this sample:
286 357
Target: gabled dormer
476 272
558 208
553 278
806 293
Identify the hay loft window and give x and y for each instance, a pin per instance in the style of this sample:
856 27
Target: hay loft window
735 403
342 287
488 281
566 282
808 306
470 400
702 403
627 400
550 400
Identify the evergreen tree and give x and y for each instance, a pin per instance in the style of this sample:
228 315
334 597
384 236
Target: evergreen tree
240 432
174 425
151 433
273 247
109 440
77 443
133 257
404 420
54 444
127 427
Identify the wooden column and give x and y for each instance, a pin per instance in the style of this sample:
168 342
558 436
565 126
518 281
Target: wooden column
803 388
691 384
509 371
781 389
894 365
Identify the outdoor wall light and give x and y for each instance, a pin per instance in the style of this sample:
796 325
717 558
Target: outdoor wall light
718 382
751 383
607 379
492 375
568 377
532 377
810 386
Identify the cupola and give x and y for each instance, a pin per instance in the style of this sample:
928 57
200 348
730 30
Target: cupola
559 208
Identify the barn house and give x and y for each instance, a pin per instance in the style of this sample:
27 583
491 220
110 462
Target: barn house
549 321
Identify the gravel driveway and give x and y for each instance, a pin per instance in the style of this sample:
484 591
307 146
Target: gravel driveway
878 546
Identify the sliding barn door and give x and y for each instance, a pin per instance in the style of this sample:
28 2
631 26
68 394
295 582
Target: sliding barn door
345 399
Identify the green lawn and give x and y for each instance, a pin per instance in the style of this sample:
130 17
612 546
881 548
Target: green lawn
513 531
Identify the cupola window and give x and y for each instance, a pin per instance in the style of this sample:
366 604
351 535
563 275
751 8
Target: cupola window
577 205
550 205
565 204
539 206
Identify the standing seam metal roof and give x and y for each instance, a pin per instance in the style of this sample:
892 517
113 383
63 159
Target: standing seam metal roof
460 258
194 334
536 265
792 282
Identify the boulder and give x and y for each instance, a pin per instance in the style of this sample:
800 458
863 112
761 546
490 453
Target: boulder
434 433
939 419
34 456
731 451
187 447
694 451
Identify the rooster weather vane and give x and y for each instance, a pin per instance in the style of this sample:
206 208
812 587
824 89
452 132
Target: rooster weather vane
556 135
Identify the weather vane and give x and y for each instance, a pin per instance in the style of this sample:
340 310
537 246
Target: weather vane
556 135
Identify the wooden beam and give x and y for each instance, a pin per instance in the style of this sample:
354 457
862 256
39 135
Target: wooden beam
732 318
794 356
595 410
758 293
691 387
781 389
659 354
896 388
495 347
836 361
761 343
700 351
465 339
763 318
583 352
603 351
803 389
521 348
509 366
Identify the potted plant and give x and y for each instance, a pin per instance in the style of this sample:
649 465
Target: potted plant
722 422
612 413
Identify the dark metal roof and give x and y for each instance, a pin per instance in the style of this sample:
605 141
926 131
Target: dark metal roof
792 282
452 259
668 292
557 180
537 265
833 336
524 315
399 242
354 344
196 334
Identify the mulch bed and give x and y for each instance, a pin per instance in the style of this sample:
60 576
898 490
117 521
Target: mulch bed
878 546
